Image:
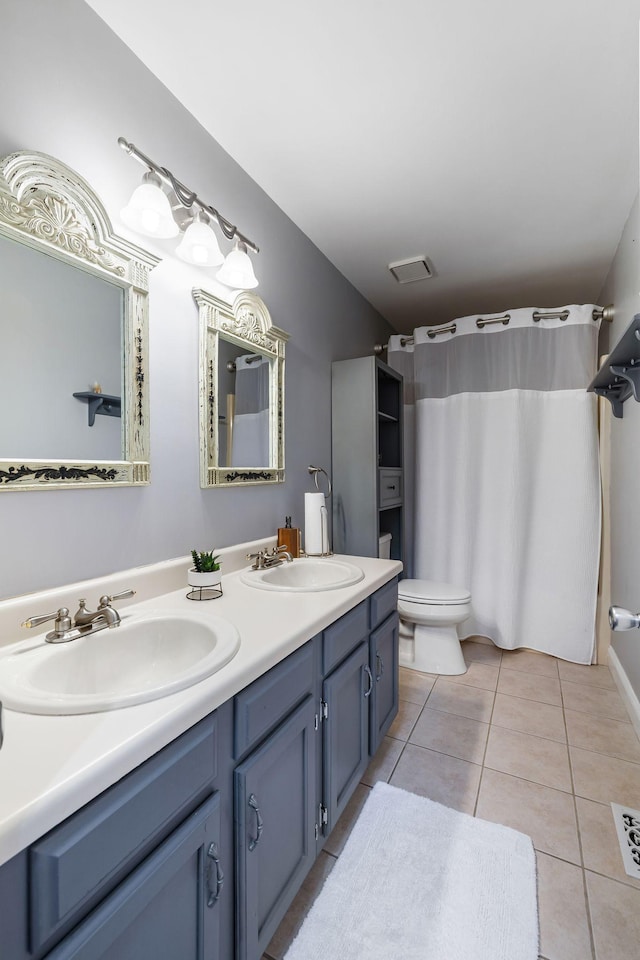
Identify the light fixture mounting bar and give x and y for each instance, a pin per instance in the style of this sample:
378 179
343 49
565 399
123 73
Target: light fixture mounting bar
188 198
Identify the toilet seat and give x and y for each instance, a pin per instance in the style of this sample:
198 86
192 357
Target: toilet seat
432 592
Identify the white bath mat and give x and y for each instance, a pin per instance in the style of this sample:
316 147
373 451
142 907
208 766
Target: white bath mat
418 881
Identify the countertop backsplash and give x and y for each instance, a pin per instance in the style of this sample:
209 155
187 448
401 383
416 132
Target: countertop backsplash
149 581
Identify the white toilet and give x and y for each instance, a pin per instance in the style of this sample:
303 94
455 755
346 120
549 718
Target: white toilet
429 614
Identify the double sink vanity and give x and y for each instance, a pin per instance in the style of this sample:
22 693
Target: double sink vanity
168 784
168 780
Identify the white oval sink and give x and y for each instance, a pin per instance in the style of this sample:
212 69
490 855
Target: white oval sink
308 574
144 658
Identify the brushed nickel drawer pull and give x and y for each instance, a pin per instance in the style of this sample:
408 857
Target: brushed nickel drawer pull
253 803
212 853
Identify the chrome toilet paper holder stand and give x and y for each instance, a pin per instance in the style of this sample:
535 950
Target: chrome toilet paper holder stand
315 471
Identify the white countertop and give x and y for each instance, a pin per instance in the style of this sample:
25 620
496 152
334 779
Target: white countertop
52 765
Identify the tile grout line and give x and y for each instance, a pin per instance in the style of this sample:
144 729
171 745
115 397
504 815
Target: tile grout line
486 745
579 832
405 742
605 876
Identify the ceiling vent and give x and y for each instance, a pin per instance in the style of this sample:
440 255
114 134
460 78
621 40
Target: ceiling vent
406 271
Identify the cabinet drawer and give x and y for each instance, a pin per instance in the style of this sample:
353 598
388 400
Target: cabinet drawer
384 602
263 704
389 487
80 861
341 637
168 907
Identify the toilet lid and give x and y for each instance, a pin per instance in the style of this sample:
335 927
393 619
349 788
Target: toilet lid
430 591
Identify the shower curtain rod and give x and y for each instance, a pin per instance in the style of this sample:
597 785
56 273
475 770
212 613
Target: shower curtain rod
432 334
600 313
252 358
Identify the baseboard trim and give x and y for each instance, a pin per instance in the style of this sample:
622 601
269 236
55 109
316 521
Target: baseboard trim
625 689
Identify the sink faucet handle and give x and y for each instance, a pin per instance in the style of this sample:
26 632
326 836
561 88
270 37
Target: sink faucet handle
61 617
124 595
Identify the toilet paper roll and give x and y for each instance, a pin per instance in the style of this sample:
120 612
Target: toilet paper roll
315 524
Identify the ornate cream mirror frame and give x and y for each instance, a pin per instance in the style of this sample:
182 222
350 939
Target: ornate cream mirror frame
246 323
47 206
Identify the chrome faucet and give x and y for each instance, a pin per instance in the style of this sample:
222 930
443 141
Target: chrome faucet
277 555
84 622
265 559
105 611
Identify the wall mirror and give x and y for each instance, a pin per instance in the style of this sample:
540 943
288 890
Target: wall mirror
73 335
241 392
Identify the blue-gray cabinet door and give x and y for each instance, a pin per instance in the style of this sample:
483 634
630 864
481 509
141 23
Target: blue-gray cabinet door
346 693
275 814
384 667
168 908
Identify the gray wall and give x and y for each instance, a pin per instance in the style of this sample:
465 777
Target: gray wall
622 288
70 88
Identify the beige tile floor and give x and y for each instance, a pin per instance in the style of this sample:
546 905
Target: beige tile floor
535 743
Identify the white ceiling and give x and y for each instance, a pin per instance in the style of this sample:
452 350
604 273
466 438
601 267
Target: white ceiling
499 138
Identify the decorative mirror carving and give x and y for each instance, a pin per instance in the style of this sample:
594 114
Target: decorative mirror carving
71 294
241 392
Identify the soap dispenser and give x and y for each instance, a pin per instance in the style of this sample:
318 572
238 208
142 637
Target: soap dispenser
289 538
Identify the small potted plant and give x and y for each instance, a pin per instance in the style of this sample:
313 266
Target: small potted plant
204 576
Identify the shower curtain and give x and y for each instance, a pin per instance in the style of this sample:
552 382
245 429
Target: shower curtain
502 444
250 444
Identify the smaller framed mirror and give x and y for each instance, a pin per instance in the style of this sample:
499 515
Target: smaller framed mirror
74 380
241 392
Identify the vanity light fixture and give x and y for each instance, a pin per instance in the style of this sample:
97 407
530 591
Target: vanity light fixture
149 211
152 212
199 244
237 269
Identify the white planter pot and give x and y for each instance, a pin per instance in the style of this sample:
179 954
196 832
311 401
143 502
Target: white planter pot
202 580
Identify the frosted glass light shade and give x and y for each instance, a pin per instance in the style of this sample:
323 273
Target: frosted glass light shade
149 211
200 246
237 269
